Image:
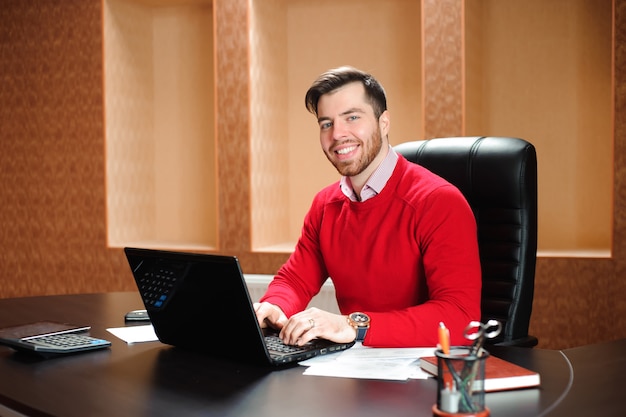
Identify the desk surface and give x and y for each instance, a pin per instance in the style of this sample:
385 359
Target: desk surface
151 379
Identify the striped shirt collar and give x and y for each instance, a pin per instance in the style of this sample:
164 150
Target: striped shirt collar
376 182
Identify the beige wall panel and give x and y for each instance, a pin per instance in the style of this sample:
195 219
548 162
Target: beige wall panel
129 128
185 164
161 175
541 70
382 38
269 141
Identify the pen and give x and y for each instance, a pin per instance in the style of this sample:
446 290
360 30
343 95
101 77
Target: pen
449 395
444 338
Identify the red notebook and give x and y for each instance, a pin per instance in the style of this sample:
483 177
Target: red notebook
500 375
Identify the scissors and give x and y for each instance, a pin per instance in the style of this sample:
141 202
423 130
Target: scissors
478 332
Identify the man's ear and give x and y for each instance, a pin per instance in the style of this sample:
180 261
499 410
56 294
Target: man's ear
384 123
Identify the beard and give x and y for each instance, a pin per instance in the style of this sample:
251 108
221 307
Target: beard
370 149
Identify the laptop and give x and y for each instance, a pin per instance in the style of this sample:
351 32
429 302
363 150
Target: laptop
201 302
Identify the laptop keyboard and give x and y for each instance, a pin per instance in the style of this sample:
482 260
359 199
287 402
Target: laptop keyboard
274 343
156 286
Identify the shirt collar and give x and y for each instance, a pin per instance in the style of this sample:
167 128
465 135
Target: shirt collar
376 182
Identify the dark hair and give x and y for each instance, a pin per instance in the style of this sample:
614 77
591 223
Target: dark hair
338 77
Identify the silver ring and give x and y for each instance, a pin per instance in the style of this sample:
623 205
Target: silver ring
311 323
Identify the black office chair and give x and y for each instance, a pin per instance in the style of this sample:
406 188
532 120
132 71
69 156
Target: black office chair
498 177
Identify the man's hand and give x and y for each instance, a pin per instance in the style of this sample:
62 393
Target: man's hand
315 323
270 314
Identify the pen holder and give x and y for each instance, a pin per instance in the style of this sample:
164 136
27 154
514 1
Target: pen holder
461 383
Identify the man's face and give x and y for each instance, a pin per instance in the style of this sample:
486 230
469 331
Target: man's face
350 134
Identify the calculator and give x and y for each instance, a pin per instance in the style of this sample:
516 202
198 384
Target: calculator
66 342
51 338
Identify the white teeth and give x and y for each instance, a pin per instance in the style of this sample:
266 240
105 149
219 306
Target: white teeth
346 150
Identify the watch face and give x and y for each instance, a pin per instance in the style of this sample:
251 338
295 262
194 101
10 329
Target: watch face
360 319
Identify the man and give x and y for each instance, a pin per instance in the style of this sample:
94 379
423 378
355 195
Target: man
398 241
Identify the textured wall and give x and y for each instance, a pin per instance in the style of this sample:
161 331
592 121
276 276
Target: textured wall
442 53
52 232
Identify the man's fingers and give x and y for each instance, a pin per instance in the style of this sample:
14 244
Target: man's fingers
299 329
269 315
315 323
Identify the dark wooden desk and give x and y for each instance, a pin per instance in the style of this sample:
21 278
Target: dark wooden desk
151 379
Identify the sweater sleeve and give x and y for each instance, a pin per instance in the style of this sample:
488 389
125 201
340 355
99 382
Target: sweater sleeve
446 234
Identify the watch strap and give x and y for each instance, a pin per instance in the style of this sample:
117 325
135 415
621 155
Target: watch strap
360 333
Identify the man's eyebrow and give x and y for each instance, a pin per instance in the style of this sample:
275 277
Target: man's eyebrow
352 110
349 111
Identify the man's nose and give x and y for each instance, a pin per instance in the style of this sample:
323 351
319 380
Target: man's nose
340 131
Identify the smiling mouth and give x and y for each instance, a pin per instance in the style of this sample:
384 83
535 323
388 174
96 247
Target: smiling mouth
345 151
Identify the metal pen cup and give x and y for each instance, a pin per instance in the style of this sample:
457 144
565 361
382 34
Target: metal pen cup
461 383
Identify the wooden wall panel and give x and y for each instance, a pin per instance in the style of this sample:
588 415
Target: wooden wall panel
52 231
619 220
233 124
442 61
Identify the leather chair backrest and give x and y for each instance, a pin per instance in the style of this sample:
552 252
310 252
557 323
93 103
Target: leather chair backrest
498 177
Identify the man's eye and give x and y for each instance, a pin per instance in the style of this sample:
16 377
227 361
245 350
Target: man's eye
353 117
324 126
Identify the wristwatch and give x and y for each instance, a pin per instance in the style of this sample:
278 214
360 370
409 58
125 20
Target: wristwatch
360 322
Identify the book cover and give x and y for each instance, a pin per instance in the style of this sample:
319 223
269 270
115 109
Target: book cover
500 375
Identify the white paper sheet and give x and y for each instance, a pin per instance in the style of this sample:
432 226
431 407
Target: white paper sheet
396 364
134 334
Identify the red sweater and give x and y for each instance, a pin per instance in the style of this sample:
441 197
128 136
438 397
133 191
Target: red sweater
407 257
